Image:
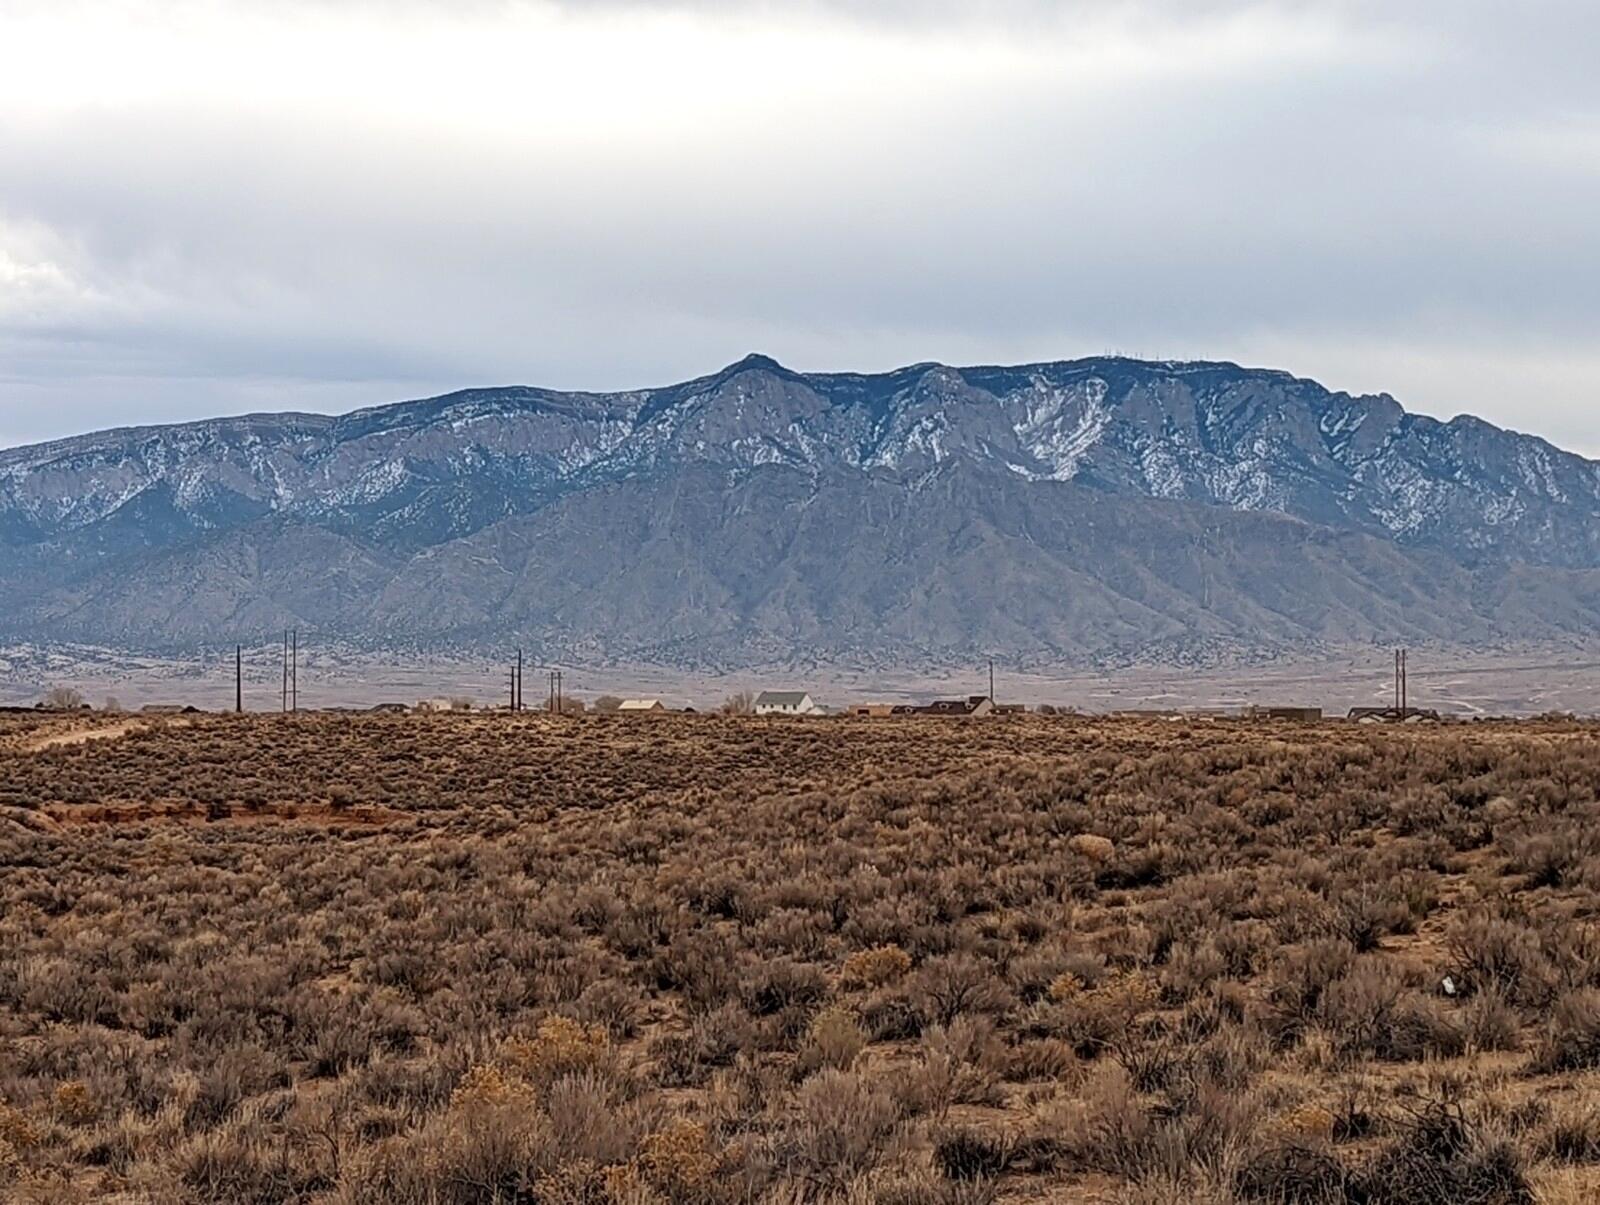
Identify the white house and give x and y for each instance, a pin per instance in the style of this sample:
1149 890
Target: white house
641 705
444 705
784 702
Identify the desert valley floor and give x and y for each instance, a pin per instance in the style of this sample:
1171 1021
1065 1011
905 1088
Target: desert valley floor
598 960
1527 681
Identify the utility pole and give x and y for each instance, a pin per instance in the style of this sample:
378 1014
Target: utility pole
238 677
515 680
285 704
294 670
559 699
991 679
1402 683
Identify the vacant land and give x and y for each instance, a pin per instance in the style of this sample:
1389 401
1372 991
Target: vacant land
1532 681
597 961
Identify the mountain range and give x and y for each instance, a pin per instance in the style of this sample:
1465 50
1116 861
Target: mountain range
1076 512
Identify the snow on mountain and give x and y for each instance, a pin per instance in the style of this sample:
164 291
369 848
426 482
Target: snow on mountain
399 482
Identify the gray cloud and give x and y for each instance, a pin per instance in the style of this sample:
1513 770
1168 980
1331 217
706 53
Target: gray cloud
1384 200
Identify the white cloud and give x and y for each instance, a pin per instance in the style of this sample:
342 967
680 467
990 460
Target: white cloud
38 275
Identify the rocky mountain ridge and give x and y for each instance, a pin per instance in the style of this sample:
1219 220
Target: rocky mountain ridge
1067 510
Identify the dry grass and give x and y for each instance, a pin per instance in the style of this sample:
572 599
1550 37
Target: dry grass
717 959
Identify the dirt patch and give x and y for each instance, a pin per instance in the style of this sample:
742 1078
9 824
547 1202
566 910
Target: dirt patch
79 736
29 818
315 815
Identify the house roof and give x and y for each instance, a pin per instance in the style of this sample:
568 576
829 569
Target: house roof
640 705
781 698
971 705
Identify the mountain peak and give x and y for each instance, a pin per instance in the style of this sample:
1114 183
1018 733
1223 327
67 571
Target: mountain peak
758 362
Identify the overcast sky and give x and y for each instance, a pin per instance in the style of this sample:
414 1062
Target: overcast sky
223 206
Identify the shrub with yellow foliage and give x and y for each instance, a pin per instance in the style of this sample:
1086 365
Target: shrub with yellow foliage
560 1047
875 967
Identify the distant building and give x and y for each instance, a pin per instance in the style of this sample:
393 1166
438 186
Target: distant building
444 705
972 705
784 702
1393 715
1301 715
877 709
641 705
